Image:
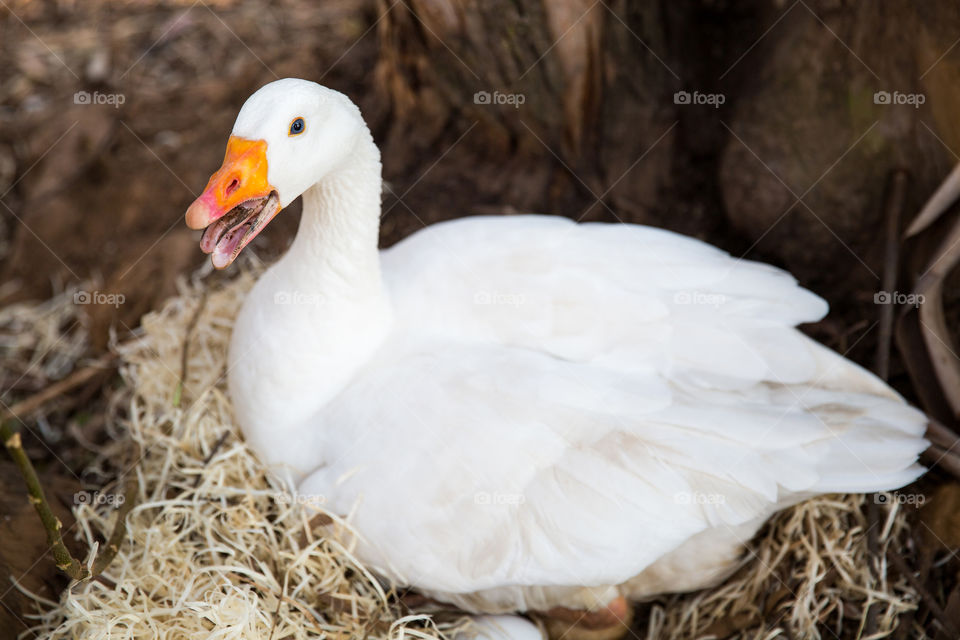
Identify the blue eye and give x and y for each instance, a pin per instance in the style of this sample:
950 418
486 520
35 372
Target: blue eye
297 126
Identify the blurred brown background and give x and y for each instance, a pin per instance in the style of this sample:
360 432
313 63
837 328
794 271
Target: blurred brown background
770 128
785 159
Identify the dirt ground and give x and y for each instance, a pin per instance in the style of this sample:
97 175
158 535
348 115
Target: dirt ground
112 117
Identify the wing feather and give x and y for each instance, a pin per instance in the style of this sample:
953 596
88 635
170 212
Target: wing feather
564 404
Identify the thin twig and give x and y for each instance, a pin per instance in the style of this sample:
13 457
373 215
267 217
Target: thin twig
213 452
941 436
941 200
51 524
120 526
57 389
892 209
944 449
873 550
65 561
185 352
933 323
924 594
947 460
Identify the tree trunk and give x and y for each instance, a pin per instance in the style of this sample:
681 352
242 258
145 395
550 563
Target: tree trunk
785 157
561 100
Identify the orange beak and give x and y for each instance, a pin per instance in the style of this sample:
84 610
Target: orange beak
237 202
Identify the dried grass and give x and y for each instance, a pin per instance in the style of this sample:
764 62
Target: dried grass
39 342
214 546
807 575
215 549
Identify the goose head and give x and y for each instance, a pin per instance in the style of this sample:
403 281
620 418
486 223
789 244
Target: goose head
288 136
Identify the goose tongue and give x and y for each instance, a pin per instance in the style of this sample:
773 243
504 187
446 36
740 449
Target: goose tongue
229 245
225 237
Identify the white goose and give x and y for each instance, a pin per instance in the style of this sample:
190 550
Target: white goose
524 413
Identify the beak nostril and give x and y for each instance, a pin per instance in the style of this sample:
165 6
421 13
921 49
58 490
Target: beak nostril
231 187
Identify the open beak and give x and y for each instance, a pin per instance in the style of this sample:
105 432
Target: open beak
237 202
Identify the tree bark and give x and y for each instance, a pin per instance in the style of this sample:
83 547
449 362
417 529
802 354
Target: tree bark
563 99
789 167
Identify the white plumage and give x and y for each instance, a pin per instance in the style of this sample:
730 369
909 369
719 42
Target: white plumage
499 628
563 405
523 412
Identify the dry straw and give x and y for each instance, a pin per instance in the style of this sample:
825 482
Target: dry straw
215 550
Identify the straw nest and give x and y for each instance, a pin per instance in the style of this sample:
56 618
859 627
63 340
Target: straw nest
215 548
